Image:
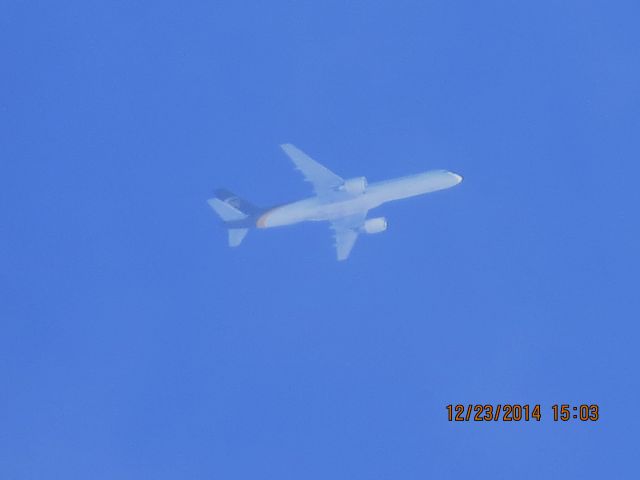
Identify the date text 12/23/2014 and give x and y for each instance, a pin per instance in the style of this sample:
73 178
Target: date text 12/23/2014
514 412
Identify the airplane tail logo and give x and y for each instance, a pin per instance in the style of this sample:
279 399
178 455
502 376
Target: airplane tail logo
233 210
234 201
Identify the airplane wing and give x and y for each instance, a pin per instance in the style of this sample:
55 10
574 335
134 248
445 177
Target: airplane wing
346 233
319 176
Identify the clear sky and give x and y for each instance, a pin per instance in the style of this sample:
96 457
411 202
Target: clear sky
135 344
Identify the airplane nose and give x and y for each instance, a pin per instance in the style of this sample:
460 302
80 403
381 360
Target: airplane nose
457 177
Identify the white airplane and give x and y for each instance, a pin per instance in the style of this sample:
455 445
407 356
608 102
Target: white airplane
344 203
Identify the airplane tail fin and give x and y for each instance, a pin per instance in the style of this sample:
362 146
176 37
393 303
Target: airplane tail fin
231 208
226 212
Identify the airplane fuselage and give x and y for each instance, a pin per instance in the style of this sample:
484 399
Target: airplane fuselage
338 204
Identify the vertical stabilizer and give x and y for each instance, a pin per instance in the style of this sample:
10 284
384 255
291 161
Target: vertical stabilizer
236 235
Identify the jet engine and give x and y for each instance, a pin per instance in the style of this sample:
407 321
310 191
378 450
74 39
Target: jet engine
375 225
354 186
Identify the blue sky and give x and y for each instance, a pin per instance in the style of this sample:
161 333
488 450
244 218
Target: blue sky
135 344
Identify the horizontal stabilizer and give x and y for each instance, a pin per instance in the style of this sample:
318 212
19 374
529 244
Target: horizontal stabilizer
235 201
236 235
226 211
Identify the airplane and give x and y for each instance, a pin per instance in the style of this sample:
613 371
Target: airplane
343 203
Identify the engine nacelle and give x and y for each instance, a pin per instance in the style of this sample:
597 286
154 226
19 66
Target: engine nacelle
375 225
354 186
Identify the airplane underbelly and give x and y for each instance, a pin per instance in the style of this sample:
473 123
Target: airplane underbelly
335 210
314 211
345 208
280 216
